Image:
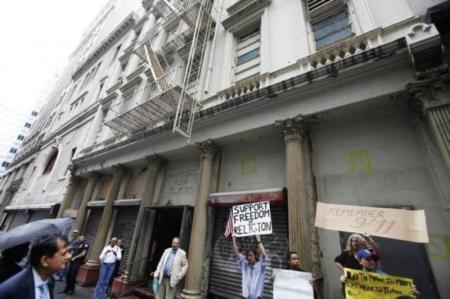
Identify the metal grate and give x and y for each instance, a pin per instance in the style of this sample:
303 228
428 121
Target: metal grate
314 4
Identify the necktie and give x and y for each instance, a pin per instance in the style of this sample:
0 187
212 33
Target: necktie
43 291
169 262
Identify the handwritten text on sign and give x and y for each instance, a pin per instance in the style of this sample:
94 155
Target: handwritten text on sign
398 224
369 285
251 219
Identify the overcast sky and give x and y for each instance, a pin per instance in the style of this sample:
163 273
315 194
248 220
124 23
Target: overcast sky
37 37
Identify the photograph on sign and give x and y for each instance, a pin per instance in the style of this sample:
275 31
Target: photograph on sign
252 219
400 224
291 284
370 285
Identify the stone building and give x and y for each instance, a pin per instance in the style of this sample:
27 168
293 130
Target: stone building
170 112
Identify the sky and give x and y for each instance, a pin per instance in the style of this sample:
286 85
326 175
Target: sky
37 38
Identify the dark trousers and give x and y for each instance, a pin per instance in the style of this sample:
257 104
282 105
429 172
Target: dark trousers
72 275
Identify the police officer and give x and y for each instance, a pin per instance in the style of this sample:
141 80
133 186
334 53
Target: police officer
78 255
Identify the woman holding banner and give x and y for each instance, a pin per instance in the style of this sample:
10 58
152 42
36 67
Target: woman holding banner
348 259
253 267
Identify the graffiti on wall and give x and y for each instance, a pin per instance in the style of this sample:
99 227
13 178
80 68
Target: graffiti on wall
248 166
439 247
359 161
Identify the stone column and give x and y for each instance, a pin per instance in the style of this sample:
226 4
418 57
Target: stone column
299 239
103 226
137 251
192 287
81 215
433 97
74 184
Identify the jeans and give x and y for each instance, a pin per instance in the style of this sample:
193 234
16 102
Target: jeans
72 275
106 272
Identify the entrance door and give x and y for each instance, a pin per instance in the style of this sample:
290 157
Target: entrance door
169 222
406 259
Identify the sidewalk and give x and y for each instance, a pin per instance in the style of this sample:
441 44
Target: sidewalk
80 292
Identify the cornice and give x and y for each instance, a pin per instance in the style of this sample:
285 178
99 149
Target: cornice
243 11
110 40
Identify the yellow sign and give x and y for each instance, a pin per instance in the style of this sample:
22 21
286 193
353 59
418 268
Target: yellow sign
370 285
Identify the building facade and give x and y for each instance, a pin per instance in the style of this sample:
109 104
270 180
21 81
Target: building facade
170 112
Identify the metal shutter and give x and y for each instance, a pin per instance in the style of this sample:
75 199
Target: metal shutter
123 229
39 215
90 231
20 218
225 277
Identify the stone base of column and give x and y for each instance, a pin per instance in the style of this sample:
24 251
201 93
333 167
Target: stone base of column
191 294
121 285
88 275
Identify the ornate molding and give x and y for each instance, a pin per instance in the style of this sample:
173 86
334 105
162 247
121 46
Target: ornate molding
207 149
155 160
292 128
118 170
431 93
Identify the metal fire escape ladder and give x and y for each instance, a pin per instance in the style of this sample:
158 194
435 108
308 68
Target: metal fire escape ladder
187 107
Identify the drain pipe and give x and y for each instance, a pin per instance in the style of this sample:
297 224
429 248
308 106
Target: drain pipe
213 46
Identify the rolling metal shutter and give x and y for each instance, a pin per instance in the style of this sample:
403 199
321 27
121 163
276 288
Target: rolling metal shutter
123 229
90 231
39 215
20 218
225 277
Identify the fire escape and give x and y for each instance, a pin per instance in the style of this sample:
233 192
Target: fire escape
172 92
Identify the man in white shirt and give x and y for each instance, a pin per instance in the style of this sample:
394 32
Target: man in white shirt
48 255
171 269
110 254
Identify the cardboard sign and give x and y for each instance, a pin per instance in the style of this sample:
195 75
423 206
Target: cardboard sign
398 224
290 284
251 219
369 285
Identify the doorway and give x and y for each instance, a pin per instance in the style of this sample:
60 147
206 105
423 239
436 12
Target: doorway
169 222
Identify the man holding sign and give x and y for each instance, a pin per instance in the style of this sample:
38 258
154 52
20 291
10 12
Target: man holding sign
253 267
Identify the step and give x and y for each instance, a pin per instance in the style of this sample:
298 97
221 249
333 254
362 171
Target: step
144 292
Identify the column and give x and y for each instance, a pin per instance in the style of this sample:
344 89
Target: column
98 120
433 97
105 220
81 215
299 239
74 183
192 287
138 252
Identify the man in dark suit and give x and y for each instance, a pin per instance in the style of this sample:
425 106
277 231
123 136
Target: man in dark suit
48 255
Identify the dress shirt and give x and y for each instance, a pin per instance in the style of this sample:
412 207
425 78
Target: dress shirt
38 283
107 256
252 277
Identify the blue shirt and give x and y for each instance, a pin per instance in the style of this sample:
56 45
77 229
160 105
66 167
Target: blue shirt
252 277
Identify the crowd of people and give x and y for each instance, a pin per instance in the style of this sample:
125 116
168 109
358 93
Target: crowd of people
51 257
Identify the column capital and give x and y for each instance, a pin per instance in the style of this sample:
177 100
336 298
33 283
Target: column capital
118 170
207 149
155 160
430 93
293 128
93 175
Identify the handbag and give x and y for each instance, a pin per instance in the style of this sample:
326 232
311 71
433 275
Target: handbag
155 285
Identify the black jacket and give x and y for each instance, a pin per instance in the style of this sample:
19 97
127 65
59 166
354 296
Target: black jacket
22 286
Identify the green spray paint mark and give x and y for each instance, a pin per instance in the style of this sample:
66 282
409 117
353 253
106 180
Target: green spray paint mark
359 161
248 166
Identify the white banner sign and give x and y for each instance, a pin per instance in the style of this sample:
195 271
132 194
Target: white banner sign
251 219
290 284
398 224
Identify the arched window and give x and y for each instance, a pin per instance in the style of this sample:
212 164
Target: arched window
50 162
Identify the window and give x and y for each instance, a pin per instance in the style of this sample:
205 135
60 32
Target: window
248 50
100 88
34 113
331 29
116 53
20 137
50 162
13 150
27 125
5 164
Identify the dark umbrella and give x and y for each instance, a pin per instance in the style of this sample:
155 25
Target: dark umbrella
30 231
